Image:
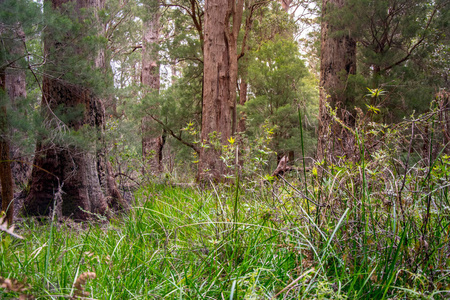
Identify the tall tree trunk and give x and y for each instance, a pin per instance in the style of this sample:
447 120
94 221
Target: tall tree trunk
12 87
105 169
59 167
16 89
6 179
152 135
338 61
222 24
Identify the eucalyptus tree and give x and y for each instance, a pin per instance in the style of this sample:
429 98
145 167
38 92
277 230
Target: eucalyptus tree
279 84
223 19
17 19
153 137
337 63
65 172
401 50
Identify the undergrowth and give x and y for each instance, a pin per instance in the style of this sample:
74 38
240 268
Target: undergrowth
185 243
375 227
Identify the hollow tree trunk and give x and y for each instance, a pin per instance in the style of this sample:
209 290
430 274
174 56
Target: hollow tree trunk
152 135
338 61
219 82
57 166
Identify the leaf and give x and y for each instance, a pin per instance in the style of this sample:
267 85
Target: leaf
373 109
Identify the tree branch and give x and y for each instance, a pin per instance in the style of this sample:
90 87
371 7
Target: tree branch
409 53
191 145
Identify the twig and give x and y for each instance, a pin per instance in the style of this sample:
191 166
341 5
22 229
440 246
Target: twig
293 283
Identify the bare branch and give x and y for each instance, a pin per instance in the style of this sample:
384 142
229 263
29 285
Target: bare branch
191 145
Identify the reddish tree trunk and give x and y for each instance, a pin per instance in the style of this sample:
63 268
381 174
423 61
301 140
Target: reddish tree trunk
58 166
337 62
222 23
152 135
286 4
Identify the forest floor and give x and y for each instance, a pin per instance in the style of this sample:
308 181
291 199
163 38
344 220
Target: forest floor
346 238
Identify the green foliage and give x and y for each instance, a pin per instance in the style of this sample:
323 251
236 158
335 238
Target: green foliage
73 55
398 46
378 232
280 85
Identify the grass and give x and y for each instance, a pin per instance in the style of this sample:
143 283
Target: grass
184 243
377 228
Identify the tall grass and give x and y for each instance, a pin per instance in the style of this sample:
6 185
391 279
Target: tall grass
376 228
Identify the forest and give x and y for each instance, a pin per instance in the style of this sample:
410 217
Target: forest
225 149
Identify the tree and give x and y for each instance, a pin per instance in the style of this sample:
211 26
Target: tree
398 46
337 62
278 86
220 61
62 167
15 83
14 14
153 138
5 162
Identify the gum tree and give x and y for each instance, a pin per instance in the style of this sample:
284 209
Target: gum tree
65 172
337 63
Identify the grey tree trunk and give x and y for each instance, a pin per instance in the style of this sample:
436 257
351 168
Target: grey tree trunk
152 135
105 170
243 90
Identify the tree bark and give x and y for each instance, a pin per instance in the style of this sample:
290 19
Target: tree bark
6 179
152 135
222 24
105 170
243 89
15 81
286 4
12 87
59 167
338 61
